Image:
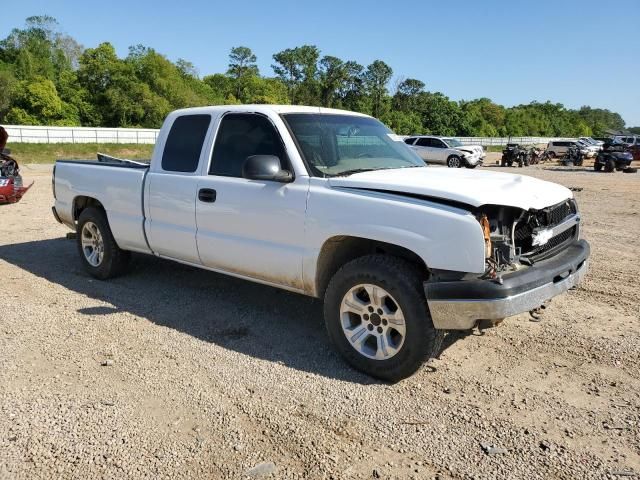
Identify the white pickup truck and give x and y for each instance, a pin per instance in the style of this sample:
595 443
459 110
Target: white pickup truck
331 204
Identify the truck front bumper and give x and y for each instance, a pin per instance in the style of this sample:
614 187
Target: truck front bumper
459 305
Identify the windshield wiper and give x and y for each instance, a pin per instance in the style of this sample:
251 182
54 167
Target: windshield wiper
346 173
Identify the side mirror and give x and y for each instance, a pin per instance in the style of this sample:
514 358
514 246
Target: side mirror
265 167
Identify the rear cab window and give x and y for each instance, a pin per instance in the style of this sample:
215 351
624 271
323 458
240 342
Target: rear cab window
184 143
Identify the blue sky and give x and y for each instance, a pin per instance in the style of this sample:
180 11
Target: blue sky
568 51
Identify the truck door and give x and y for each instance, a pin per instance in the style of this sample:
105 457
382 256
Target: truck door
252 228
172 190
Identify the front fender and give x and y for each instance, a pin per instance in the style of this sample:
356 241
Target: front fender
443 236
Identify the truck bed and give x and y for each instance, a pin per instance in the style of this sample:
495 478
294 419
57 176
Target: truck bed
117 184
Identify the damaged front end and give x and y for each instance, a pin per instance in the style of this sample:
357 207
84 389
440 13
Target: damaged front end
531 256
516 238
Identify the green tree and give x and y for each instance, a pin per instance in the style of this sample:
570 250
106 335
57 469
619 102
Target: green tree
376 79
333 75
407 94
403 123
242 68
297 68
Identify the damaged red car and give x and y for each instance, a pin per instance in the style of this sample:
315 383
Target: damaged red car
11 186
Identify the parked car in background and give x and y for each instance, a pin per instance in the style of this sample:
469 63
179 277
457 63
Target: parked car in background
437 150
588 150
592 141
558 148
455 143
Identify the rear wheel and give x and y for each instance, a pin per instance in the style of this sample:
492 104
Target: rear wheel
377 316
99 252
610 166
454 161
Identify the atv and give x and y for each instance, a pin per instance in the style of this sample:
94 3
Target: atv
11 186
614 157
513 153
574 156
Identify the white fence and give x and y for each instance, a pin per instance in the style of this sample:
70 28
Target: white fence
488 141
24 134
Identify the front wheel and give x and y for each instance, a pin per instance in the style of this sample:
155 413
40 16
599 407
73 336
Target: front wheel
597 166
99 252
377 317
454 161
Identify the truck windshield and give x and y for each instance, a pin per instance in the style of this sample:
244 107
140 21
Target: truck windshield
335 145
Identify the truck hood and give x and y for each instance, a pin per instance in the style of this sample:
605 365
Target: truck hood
470 187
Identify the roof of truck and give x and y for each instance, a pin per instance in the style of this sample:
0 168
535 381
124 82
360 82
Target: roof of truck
263 108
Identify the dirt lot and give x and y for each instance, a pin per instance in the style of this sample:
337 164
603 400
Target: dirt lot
175 372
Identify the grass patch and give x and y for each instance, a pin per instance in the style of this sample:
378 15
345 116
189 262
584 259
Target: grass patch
495 148
50 152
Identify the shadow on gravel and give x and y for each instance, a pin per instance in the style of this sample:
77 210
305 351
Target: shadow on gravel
252 319
571 169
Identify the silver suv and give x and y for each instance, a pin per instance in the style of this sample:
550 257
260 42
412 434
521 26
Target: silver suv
445 151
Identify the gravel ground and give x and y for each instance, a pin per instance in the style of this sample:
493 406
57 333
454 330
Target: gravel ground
173 372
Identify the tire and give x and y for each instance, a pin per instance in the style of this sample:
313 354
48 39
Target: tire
454 161
597 166
99 252
609 166
471 166
397 283
552 155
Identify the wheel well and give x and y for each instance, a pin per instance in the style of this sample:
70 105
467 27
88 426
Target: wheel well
82 202
338 251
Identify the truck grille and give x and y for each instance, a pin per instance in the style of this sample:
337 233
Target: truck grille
548 217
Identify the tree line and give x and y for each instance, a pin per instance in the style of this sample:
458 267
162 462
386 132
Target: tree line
48 78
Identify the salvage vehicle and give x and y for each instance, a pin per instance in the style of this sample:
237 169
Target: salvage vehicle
574 156
455 143
631 142
558 148
514 153
592 141
12 188
449 152
333 205
588 150
613 157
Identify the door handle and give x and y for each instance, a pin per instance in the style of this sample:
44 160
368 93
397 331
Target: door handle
207 195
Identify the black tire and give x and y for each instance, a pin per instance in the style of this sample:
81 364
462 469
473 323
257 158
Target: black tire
597 166
404 283
471 166
114 260
610 166
454 161
552 155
